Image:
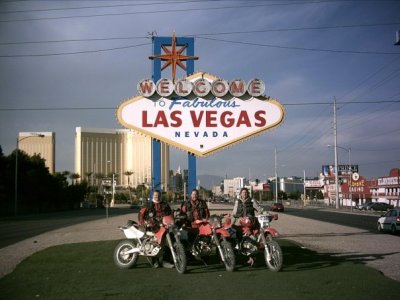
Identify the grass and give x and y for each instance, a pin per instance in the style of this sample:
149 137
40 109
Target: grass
87 271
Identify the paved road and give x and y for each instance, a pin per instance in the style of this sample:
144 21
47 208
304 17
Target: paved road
358 219
380 251
13 230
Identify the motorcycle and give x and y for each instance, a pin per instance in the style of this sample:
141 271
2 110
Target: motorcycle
259 237
212 238
142 241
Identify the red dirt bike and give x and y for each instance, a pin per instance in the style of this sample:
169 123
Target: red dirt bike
150 242
212 237
257 236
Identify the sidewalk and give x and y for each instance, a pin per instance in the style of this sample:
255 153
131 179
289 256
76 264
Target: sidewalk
380 251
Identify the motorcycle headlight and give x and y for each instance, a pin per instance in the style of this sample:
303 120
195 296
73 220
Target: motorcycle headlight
215 221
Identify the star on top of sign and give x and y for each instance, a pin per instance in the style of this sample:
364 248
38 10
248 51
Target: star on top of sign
173 57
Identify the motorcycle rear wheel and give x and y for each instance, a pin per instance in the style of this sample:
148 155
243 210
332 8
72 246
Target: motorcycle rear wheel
181 263
122 259
274 263
229 255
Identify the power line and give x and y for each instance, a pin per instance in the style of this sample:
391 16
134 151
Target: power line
113 108
72 53
199 35
74 40
166 11
102 6
300 48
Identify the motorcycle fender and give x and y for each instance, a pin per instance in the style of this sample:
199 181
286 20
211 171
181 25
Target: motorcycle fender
205 230
223 232
272 231
159 234
133 233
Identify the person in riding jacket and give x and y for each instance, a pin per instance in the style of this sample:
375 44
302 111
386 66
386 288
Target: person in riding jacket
195 208
153 211
245 206
151 214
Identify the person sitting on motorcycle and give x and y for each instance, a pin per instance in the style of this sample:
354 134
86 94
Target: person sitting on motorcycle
245 207
194 209
151 214
153 211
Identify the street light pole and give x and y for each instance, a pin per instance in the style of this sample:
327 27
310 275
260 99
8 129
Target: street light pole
336 158
16 168
351 172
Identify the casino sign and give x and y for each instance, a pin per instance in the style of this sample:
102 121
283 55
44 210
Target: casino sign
201 113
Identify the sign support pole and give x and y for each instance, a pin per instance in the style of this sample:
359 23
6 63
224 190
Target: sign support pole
156 145
191 158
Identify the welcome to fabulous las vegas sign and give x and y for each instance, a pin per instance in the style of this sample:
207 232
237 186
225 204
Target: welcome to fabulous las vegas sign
201 113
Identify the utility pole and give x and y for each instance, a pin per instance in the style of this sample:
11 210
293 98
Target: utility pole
276 179
336 156
304 189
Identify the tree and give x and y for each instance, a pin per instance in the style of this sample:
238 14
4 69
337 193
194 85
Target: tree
74 177
88 175
38 190
128 174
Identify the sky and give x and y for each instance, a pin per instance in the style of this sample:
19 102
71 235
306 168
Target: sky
68 64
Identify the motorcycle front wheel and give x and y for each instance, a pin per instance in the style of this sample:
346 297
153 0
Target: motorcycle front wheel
275 258
229 256
122 258
180 264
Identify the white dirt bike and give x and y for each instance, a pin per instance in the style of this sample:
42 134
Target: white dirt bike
143 242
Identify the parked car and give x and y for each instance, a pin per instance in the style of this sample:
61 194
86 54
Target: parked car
135 206
380 206
364 206
390 221
277 207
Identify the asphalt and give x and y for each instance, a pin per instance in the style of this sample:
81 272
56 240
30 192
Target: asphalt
379 251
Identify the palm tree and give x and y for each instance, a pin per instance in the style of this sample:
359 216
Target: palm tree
74 177
88 174
128 174
98 177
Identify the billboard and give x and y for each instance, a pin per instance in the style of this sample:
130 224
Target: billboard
343 170
201 114
313 183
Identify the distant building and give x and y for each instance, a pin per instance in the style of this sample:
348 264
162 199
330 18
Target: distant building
43 145
177 180
387 189
259 186
102 152
232 186
216 190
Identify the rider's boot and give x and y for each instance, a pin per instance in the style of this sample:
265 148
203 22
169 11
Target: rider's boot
251 261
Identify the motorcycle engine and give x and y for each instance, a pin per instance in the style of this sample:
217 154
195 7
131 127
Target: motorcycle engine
202 246
248 246
151 248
